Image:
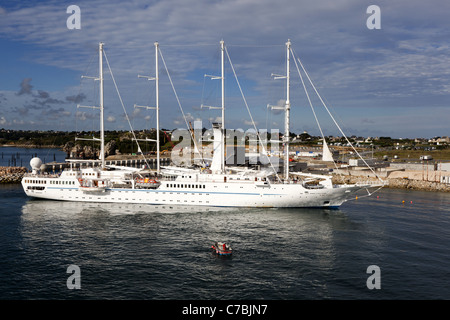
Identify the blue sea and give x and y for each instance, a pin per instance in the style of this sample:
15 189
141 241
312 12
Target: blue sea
125 252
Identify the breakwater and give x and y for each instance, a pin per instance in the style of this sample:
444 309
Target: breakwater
11 174
396 183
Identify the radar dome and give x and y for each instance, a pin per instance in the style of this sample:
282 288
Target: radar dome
35 163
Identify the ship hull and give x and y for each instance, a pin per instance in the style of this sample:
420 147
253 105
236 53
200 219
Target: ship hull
205 194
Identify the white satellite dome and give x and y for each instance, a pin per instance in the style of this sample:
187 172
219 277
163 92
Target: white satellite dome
35 163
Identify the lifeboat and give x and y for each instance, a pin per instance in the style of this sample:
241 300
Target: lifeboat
92 185
147 183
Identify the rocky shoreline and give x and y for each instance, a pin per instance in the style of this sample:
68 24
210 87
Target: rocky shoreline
396 183
11 174
32 146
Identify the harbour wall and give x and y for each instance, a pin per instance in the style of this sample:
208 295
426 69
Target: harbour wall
404 179
11 174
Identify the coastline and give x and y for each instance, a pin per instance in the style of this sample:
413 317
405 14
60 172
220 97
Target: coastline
14 175
10 175
31 146
396 183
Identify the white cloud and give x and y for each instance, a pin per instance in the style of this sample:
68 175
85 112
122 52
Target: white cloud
3 120
352 66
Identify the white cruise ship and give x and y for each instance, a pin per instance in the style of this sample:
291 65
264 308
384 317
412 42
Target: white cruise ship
217 185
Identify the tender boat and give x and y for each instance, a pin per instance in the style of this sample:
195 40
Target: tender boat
221 248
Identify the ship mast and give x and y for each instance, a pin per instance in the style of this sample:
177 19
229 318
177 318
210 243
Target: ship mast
101 107
102 129
222 49
156 78
157 107
287 113
286 108
219 164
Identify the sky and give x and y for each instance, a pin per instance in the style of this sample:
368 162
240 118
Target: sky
392 81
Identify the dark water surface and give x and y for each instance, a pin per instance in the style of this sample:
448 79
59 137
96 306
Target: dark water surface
143 252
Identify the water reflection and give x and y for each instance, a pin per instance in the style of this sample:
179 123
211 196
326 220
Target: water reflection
36 208
277 252
69 209
146 252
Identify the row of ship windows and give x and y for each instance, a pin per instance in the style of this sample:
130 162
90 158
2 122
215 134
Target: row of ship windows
126 199
83 173
190 186
50 181
169 185
35 181
61 182
35 188
264 179
163 193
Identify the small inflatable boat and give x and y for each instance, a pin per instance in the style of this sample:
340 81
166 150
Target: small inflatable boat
221 248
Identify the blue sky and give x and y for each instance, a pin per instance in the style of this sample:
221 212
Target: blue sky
394 81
